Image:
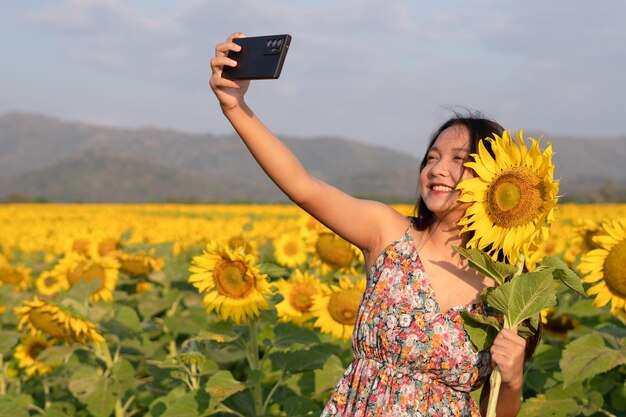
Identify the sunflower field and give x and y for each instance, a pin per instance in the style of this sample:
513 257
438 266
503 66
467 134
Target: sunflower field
245 310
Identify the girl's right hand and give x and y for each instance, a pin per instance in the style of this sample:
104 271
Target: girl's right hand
228 92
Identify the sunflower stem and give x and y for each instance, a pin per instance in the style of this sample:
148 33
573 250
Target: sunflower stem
3 382
495 380
253 360
46 393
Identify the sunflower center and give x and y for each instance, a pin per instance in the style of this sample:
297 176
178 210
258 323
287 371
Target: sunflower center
81 246
301 298
515 197
50 281
291 248
35 348
231 279
87 273
615 269
45 322
108 245
333 250
588 243
343 306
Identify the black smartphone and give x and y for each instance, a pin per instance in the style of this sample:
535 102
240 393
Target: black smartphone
260 57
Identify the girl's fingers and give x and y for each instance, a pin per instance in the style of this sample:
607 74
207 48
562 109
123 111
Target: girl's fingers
220 62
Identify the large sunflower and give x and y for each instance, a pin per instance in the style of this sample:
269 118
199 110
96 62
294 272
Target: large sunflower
53 320
232 285
605 266
298 293
27 351
75 268
512 196
290 250
337 306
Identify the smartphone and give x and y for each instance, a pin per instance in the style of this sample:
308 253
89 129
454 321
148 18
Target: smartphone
260 57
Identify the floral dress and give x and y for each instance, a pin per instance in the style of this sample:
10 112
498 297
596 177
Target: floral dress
410 358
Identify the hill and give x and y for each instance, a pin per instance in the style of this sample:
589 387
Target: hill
50 159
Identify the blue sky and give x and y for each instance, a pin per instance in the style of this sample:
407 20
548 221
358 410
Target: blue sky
378 71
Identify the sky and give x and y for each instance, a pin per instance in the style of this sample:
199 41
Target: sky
382 72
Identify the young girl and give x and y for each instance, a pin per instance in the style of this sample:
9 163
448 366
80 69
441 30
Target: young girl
412 356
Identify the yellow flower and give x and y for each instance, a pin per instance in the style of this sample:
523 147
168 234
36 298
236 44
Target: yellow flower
16 275
512 196
27 351
337 306
108 245
334 253
605 267
137 264
290 250
52 319
582 240
75 268
232 285
49 285
143 286
298 293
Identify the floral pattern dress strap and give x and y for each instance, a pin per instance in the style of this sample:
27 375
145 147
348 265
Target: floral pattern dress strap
409 358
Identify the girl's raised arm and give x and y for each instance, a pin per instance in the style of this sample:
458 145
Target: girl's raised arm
366 224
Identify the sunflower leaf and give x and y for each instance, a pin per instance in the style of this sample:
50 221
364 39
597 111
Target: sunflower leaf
482 330
564 274
300 360
558 401
287 334
524 296
588 356
8 340
483 263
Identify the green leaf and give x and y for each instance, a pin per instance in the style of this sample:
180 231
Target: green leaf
564 274
60 409
300 360
82 383
192 404
102 402
55 355
297 406
588 356
327 377
524 296
221 386
123 377
11 406
8 340
274 271
286 334
482 330
483 263
555 402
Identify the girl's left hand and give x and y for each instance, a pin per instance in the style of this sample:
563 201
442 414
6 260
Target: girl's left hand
507 352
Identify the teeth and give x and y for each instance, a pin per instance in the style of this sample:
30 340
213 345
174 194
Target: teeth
442 188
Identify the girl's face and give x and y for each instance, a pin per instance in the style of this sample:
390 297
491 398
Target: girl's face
443 171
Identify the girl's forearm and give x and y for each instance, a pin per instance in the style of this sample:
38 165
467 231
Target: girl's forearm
278 162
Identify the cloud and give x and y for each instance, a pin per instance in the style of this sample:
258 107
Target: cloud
375 70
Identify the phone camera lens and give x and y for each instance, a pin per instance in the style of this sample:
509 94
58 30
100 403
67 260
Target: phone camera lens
269 43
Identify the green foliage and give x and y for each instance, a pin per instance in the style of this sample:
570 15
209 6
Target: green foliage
524 296
482 262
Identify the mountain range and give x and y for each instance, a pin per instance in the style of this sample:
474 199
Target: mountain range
47 159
